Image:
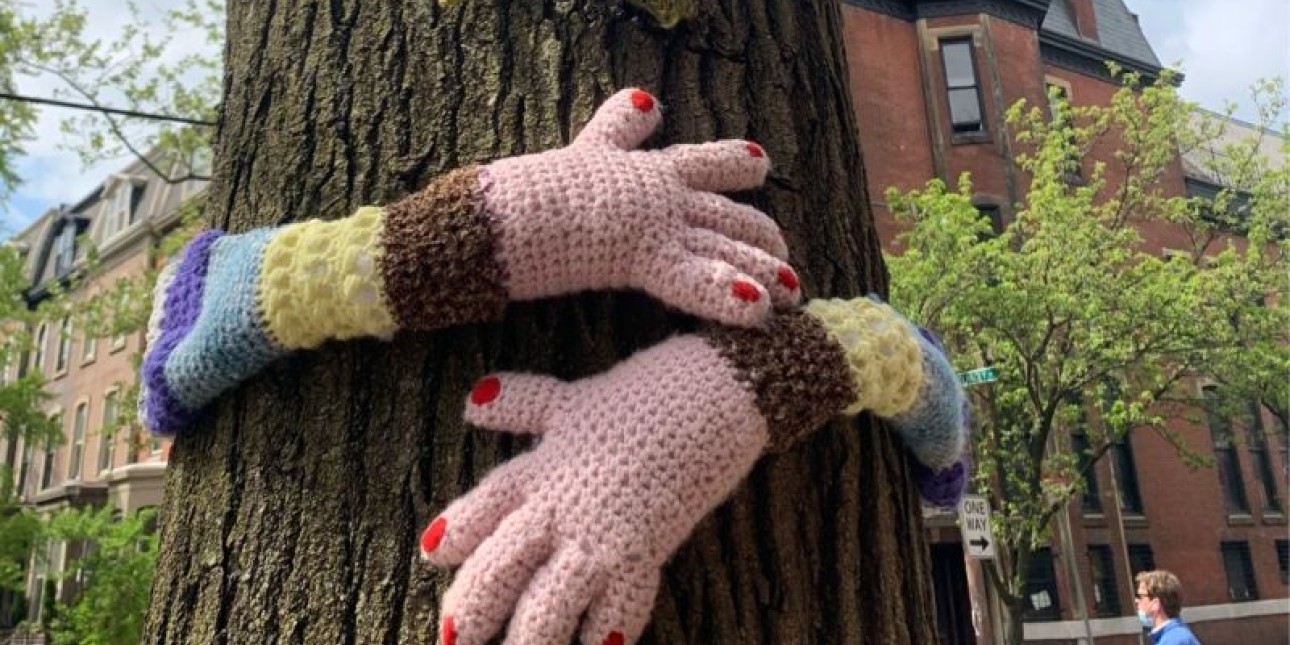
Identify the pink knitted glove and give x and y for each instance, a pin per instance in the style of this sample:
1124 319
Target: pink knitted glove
599 215
631 459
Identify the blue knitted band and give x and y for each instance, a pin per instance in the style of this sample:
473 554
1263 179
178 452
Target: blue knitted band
229 343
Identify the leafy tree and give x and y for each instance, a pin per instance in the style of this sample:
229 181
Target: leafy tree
113 572
1091 329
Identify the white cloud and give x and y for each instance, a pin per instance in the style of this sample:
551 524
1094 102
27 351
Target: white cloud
1224 46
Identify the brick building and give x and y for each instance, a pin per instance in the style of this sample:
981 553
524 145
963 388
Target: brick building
930 80
88 377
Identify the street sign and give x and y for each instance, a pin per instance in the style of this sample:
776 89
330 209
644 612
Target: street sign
978 376
974 520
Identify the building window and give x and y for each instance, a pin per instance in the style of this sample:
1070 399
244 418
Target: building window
1283 560
1126 476
1106 592
992 215
1059 111
42 337
1240 571
1225 457
65 249
107 436
1141 559
1041 589
89 347
120 212
47 472
962 89
64 345
1091 501
26 468
1261 459
78 440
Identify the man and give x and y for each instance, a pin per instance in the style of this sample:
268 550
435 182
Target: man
1159 603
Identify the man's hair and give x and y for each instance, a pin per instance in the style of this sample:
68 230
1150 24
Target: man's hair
1162 585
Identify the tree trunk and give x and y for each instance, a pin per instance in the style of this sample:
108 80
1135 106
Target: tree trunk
293 511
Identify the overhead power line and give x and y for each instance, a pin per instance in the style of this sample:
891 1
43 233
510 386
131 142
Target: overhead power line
105 110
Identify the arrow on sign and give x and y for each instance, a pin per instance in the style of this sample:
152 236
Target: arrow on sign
980 543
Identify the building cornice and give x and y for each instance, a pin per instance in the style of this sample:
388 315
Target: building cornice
1090 59
1028 13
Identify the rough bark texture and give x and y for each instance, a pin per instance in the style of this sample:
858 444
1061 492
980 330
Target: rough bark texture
292 512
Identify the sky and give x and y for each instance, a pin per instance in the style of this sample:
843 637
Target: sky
1224 46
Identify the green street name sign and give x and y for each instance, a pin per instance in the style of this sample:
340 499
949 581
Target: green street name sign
978 376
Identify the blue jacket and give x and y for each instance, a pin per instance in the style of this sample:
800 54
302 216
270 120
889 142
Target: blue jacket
1174 632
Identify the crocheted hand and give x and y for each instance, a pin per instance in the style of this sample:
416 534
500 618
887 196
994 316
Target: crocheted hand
631 459
598 214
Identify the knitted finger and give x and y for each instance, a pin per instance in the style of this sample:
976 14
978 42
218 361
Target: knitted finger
779 278
736 221
693 283
550 607
619 614
458 531
719 166
514 402
485 589
624 120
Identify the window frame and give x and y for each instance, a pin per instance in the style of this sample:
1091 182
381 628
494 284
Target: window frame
76 449
63 357
1036 584
107 438
1101 567
119 206
1257 445
1227 461
982 131
1238 551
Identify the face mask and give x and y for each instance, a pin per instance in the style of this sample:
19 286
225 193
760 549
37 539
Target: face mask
1145 619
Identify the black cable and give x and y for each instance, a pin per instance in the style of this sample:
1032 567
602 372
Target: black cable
105 110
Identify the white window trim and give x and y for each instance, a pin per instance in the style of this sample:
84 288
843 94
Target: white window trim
81 404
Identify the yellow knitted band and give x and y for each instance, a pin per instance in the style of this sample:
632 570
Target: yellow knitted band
882 352
320 281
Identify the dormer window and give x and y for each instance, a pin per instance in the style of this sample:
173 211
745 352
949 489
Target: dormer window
65 249
120 208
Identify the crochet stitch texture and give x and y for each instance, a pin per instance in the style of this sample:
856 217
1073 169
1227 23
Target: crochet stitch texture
571 535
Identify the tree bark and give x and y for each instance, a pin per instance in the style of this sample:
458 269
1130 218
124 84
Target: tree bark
293 511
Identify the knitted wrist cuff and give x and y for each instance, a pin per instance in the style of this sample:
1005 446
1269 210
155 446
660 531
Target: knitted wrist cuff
440 264
798 373
883 356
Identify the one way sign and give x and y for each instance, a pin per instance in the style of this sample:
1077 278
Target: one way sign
974 520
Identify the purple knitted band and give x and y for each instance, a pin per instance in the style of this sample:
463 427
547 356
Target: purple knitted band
942 488
183 302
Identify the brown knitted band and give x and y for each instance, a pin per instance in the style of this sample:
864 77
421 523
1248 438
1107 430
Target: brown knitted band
797 371
440 264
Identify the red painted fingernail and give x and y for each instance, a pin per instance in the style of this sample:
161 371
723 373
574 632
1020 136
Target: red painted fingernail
433 535
788 278
486 390
614 638
745 291
643 100
755 150
448 633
